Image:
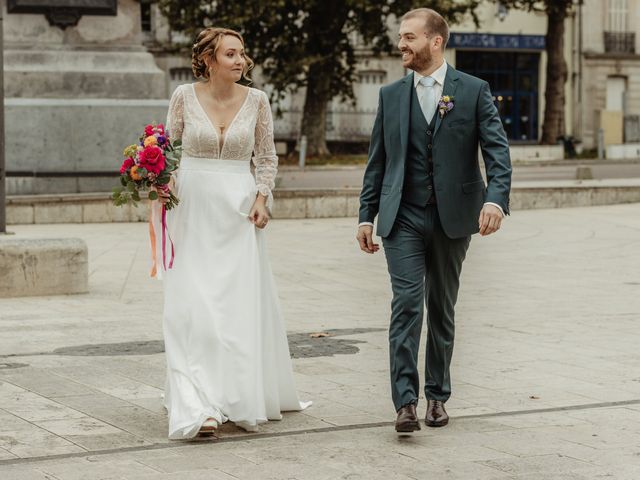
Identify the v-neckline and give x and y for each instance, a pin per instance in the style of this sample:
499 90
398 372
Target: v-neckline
220 137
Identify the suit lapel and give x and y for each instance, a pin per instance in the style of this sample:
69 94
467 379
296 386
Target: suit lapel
405 112
450 86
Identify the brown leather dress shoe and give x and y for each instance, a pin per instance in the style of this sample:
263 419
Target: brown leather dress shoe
407 420
436 414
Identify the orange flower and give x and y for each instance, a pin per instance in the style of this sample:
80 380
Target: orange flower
150 141
134 173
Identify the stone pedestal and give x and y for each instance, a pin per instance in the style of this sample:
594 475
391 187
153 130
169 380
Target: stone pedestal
36 267
77 96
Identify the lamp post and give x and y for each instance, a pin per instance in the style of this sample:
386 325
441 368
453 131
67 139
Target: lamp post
3 211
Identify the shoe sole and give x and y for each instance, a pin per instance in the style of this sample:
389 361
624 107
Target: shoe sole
408 427
436 424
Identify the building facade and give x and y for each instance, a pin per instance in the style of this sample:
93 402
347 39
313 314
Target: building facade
105 68
606 83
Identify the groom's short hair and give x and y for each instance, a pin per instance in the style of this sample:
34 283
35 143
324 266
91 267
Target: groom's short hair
434 22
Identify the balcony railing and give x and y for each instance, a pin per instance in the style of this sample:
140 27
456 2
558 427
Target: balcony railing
620 42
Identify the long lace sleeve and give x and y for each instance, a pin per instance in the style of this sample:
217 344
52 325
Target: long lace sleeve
175 120
264 151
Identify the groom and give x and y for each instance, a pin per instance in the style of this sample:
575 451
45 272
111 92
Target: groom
424 183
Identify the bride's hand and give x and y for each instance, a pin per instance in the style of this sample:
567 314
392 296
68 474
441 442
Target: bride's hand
164 193
259 214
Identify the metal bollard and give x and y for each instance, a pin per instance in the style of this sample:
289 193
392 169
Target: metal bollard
600 144
303 151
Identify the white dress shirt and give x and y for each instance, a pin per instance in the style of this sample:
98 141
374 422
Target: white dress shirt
438 75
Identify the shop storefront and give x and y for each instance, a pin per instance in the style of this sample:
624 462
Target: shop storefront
511 65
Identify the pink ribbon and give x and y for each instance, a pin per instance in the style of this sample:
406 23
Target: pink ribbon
165 234
160 218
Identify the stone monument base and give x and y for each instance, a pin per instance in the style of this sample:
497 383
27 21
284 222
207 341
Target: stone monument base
37 267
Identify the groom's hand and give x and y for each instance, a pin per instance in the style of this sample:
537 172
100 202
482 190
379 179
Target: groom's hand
490 220
365 239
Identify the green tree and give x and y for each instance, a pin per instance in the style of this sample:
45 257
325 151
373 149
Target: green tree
557 12
307 43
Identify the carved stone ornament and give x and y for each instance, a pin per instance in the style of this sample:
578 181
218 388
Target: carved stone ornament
64 13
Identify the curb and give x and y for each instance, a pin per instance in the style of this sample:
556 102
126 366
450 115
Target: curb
312 202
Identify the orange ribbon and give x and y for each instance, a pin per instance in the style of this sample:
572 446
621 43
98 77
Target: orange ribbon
152 236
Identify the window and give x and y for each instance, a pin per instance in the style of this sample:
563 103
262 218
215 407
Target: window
372 76
616 87
618 14
513 77
145 16
617 36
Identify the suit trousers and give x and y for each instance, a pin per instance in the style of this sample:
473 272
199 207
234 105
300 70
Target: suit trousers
424 265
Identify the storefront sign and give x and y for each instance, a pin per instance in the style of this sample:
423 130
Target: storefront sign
495 41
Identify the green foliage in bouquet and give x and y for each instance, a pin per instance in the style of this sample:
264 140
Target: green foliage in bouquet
148 167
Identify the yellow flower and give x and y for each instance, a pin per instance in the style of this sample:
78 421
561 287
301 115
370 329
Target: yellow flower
130 151
446 99
134 173
150 141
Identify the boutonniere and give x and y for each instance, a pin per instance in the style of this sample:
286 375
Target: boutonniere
445 105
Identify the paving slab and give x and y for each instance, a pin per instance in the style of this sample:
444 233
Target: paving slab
545 370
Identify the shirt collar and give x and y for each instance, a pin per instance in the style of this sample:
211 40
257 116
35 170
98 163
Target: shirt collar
439 75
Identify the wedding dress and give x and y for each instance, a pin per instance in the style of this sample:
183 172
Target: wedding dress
226 345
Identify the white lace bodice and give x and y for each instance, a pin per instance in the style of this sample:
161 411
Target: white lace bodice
250 132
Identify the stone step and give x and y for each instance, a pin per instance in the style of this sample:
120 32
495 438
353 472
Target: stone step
312 203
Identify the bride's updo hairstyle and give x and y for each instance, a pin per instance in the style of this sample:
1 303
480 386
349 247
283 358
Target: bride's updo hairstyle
206 46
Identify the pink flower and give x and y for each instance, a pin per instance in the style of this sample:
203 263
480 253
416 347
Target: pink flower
152 159
126 165
148 130
160 128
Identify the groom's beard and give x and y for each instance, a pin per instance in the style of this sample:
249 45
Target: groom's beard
420 61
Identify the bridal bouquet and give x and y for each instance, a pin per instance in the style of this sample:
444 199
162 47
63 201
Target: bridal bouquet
147 167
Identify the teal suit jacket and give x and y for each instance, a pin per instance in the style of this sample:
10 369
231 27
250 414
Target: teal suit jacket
459 188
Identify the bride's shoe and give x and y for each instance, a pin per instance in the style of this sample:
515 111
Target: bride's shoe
209 427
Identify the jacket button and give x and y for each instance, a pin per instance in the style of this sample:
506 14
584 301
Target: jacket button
429 132
429 146
429 187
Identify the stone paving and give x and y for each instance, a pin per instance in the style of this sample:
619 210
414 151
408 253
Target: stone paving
546 371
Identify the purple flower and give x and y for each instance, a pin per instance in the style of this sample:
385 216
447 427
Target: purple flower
445 105
162 139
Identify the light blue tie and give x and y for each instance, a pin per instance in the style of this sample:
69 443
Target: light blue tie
427 98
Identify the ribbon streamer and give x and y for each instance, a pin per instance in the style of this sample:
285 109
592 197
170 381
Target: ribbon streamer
164 232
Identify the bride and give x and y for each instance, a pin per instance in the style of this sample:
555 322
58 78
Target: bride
225 339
